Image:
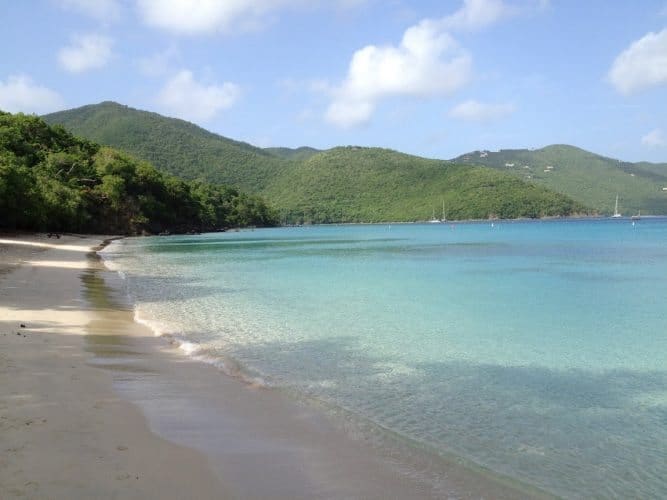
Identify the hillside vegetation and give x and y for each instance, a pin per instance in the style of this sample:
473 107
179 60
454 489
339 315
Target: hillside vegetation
349 184
51 180
174 146
590 179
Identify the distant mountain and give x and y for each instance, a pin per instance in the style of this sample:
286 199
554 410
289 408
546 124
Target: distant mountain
589 178
373 184
306 185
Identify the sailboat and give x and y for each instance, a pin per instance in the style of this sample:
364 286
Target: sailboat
616 213
638 216
438 221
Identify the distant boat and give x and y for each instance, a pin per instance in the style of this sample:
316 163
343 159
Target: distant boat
438 221
616 213
638 216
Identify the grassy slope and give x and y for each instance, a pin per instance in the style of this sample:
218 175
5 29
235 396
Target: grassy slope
342 184
588 178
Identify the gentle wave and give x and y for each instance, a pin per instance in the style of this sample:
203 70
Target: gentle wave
198 351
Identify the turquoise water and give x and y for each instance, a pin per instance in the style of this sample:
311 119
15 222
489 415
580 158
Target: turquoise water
536 349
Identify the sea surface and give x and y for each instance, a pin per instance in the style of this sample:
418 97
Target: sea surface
535 349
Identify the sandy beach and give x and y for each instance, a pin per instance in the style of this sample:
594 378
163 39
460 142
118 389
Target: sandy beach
94 406
64 432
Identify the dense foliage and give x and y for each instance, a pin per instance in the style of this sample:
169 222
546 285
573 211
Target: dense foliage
306 185
174 146
591 179
52 180
351 184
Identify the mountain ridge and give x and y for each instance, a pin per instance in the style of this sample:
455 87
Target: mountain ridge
587 177
342 184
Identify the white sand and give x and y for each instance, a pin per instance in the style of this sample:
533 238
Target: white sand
93 406
64 433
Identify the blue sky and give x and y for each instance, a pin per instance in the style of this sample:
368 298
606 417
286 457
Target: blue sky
434 78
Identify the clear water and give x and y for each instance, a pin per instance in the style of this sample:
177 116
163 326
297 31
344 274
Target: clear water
536 349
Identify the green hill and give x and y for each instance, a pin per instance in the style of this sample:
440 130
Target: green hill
51 180
590 179
370 184
304 184
175 146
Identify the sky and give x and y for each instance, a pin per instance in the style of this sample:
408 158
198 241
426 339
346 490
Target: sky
436 78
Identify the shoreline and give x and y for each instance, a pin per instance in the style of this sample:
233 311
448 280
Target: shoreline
223 437
555 218
64 431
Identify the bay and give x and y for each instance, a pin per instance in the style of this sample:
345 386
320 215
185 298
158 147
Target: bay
536 349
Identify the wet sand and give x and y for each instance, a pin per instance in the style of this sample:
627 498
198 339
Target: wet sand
94 406
64 432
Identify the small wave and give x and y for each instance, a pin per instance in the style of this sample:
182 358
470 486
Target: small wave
209 355
108 256
189 348
159 328
200 352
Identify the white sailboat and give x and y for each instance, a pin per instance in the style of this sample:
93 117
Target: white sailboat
616 213
438 221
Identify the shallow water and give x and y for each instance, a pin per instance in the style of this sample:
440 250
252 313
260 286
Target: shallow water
536 349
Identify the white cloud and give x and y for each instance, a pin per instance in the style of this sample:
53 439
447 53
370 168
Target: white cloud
476 14
198 17
85 53
186 98
655 138
642 65
190 17
476 111
20 94
103 10
428 62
